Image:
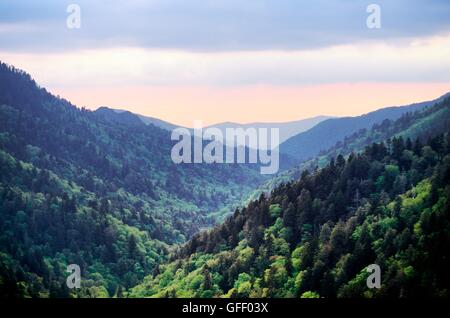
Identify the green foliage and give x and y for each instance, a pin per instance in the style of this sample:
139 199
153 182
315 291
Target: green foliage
310 294
98 189
331 225
275 210
423 125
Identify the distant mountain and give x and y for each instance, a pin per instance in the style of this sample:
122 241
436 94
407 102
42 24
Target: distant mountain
325 134
287 129
122 114
129 118
423 124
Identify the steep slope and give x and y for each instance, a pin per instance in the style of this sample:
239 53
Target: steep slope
110 154
324 135
388 205
112 174
418 124
48 222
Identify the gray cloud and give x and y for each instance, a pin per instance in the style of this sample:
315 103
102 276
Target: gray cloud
214 25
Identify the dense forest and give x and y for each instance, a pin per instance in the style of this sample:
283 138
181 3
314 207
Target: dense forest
324 135
421 124
388 205
99 189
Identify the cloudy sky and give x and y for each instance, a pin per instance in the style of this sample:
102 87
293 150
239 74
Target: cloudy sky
232 60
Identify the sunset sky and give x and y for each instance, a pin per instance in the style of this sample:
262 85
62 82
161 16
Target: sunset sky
229 60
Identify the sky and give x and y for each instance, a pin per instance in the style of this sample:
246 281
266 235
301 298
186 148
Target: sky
232 60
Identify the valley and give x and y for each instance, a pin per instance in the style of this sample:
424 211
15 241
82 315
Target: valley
99 189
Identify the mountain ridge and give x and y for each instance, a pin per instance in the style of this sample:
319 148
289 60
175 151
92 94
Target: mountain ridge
287 129
322 136
145 119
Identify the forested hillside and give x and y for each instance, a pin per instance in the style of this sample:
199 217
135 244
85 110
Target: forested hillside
423 124
83 187
388 205
309 144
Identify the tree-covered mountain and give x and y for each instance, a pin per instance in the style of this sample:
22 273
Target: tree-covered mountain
422 124
319 138
387 205
97 190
